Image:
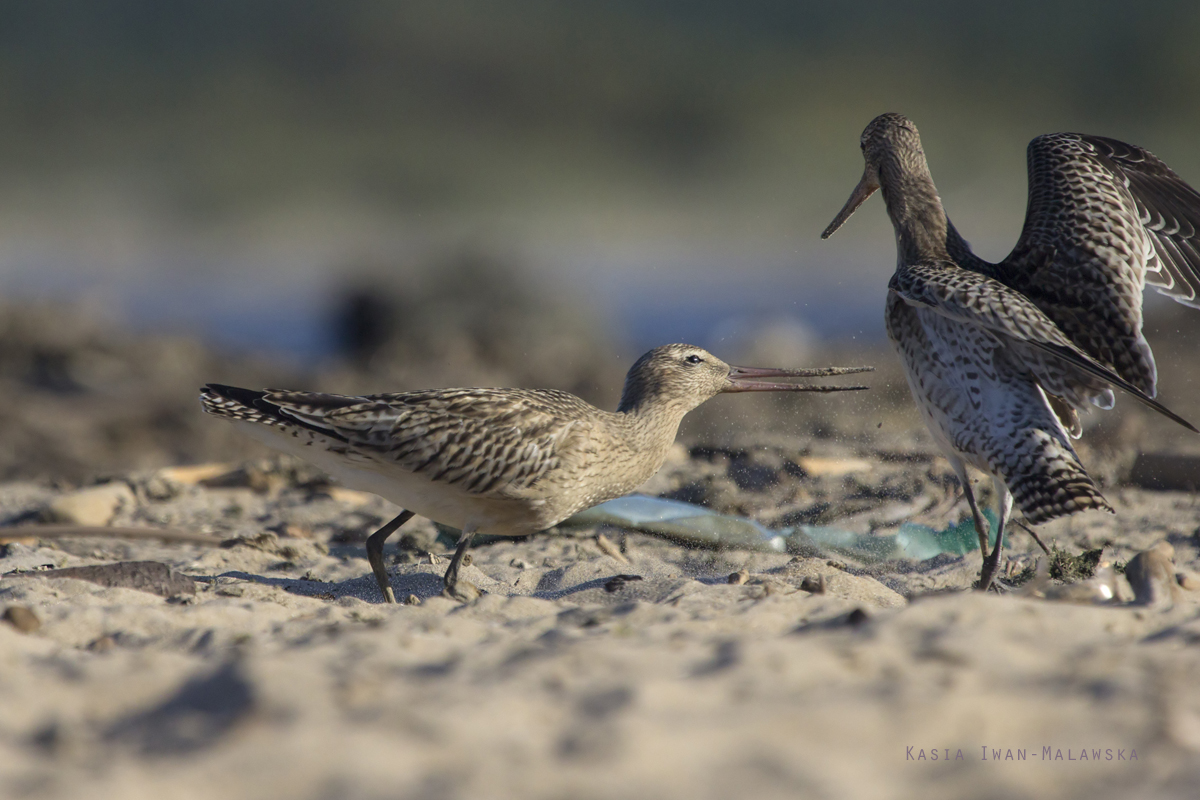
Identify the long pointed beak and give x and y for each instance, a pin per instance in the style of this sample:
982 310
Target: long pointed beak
746 379
866 187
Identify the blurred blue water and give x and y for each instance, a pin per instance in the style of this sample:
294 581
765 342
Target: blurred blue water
639 301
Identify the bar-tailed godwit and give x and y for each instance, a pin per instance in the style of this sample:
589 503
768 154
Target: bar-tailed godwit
507 462
1000 357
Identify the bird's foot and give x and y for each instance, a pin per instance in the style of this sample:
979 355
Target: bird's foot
388 595
462 591
991 570
994 585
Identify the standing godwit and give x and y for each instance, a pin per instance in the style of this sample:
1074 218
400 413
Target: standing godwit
505 462
1000 357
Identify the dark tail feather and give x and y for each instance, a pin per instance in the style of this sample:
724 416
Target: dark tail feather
247 397
248 405
232 402
1046 479
1058 496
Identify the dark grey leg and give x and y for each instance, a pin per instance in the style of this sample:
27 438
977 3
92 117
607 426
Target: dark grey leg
456 589
991 563
981 524
375 553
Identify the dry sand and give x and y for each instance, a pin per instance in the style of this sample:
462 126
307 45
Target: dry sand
285 676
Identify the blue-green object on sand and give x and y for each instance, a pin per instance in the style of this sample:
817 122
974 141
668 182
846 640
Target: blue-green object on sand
702 527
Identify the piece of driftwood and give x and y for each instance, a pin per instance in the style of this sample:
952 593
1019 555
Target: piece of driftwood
146 576
1166 471
180 535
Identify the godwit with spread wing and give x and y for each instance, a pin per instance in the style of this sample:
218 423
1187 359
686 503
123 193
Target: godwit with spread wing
1000 357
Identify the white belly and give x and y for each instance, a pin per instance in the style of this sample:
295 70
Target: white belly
438 501
971 395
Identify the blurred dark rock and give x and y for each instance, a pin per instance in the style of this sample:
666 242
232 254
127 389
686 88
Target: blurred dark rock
362 323
472 320
85 396
752 475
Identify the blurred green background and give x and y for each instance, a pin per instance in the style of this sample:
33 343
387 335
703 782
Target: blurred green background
664 167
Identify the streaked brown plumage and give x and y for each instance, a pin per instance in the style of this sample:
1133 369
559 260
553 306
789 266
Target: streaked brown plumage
1000 357
506 462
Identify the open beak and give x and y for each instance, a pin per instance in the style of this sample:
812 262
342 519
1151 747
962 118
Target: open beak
750 379
866 187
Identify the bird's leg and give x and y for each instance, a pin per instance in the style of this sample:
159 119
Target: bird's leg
981 524
1033 535
375 553
456 589
991 563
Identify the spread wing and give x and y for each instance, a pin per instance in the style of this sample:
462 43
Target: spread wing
1015 322
489 442
1104 219
1169 210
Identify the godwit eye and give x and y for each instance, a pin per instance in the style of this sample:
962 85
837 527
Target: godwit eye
693 359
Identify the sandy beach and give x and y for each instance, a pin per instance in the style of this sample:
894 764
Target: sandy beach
379 197
599 662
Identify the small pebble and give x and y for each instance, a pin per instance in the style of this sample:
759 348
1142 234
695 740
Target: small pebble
618 582
1151 574
1188 581
412 600
813 585
22 618
102 644
93 506
739 577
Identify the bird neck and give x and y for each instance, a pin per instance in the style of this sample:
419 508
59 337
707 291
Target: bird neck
656 413
649 428
914 207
